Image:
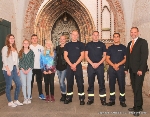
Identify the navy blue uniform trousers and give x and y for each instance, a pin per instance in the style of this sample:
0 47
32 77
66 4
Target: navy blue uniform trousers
79 80
120 76
91 79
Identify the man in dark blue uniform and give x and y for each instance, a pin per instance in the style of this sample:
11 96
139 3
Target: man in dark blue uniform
116 57
74 54
95 54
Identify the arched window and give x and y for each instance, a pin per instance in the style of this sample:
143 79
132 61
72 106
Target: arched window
107 21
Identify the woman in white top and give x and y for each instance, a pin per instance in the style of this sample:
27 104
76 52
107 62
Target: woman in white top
10 69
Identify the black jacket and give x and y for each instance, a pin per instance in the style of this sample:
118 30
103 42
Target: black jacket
62 55
137 59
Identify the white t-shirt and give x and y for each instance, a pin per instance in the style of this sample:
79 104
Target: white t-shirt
15 57
37 52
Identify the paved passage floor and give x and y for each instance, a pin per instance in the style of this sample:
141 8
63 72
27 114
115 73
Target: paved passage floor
40 108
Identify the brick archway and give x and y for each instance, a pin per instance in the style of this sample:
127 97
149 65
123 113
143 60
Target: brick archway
42 24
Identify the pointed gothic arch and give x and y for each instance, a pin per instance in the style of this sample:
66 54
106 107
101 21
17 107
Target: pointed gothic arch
43 23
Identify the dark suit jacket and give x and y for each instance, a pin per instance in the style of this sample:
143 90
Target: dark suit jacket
137 60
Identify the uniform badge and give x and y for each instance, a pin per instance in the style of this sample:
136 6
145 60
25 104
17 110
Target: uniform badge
77 47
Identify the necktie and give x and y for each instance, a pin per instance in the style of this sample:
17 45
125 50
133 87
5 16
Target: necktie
132 44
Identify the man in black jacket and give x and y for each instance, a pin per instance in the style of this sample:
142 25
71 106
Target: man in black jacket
136 63
61 66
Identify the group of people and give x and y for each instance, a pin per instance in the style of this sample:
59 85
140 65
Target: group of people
66 60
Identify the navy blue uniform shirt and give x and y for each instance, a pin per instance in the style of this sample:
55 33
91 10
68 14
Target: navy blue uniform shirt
74 50
116 53
95 51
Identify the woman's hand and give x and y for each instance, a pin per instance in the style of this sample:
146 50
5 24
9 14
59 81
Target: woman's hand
27 71
18 72
24 71
49 72
45 72
8 73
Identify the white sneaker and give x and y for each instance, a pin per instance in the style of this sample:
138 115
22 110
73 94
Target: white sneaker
11 104
25 101
18 103
29 101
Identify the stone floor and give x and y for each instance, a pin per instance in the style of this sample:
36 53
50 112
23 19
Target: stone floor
40 108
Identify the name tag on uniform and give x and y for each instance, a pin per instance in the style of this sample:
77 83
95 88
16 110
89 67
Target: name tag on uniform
77 47
119 50
98 47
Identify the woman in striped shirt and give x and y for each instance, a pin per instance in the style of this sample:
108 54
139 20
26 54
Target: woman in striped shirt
26 63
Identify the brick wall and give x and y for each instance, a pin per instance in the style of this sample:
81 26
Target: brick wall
14 12
7 12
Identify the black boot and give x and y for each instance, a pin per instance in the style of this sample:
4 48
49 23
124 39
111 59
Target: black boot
67 101
63 97
82 102
103 102
111 103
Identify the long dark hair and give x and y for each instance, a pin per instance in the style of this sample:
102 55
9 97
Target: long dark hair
7 43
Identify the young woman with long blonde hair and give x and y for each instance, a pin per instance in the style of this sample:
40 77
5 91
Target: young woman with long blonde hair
26 64
48 66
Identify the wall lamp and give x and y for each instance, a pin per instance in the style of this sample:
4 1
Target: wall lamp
1 19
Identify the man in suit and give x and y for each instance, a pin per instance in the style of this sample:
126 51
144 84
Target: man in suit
136 63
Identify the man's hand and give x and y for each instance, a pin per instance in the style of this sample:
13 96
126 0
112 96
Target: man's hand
73 67
116 66
95 65
139 73
126 72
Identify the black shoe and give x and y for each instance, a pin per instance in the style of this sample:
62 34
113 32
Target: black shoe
63 97
136 113
123 104
132 109
141 109
67 101
111 103
90 102
104 103
82 102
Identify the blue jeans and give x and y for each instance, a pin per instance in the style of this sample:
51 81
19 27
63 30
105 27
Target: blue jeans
8 79
26 83
61 77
